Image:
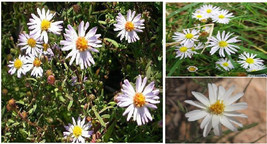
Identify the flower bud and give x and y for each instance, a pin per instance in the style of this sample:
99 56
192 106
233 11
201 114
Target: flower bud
24 115
4 91
12 102
51 79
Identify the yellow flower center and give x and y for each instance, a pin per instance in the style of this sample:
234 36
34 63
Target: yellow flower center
82 44
204 20
37 62
209 10
45 25
46 46
221 16
139 100
250 60
217 108
193 48
189 36
223 44
183 49
225 64
192 69
199 16
77 131
18 63
31 42
129 26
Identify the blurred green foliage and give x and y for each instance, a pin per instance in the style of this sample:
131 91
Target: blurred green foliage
47 108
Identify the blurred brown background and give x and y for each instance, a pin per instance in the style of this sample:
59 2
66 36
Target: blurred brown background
178 129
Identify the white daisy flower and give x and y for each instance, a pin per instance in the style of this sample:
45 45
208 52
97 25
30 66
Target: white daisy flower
31 43
196 47
256 68
248 60
222 16
209 10
184 51
225 64
223 43
43 24
35 64
81 45
187 37
78 131
19 65
139 100
200 16
192 68
130 26
218 109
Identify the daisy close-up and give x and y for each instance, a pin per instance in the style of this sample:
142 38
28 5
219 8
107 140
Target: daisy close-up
217 110
225 64
43 24
209 10
192 68
31 43
184 51
138 100
248 60
19 65
81 44
222 16
130 26
78 131
187 37
223 43
34 62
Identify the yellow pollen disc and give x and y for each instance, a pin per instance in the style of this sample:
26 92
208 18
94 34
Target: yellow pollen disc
199 16
217 108
189 36
225 64
18 63
31 42
139 100
45 25
37 62
77 131
183 49
204 20
46 46
250 60
221 16
82 44
223 44
129 26
191 69
193 49
209 10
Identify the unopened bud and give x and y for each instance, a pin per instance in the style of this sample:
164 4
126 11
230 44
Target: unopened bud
51 79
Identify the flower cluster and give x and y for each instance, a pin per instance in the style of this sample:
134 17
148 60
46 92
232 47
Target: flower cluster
35 44
200 37
216 14
81 44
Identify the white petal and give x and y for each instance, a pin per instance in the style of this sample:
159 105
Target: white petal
195 115
237 106
227 123
200 97
233 99
194 103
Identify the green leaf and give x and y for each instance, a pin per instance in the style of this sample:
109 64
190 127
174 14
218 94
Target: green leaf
109 131
112 41
69 105
98 117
